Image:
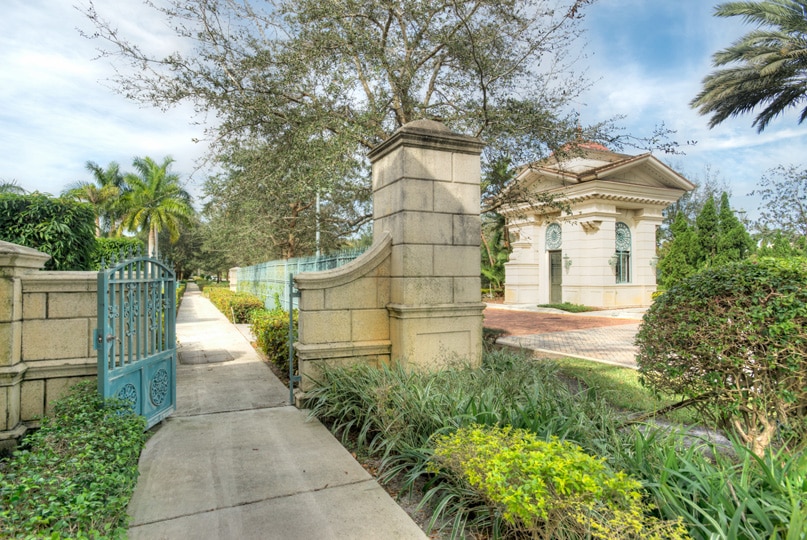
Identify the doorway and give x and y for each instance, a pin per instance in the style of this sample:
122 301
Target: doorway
555 277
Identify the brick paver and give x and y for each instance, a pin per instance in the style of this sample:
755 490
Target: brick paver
600 339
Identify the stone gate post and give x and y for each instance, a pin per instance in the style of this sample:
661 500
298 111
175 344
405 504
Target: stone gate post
426 195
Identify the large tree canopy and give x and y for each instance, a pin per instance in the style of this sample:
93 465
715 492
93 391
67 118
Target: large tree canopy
765 69
302 89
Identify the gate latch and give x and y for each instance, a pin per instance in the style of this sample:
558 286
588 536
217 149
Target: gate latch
98 339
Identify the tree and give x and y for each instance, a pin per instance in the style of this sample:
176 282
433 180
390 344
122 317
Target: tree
767 66
11 187
155 201
783 192
734 243
707 232
678 258
314 84
102 195
717 239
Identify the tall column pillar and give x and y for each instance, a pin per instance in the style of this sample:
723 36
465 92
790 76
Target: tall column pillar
426 194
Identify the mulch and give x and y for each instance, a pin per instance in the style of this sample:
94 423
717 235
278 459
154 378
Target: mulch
520 323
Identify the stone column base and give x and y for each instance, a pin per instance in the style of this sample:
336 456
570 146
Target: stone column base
433 336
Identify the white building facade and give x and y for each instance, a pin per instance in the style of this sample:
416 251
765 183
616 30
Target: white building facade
603 253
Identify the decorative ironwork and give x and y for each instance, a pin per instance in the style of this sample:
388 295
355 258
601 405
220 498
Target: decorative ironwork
136 335
554 237
128 392
622 256
158 388
622 237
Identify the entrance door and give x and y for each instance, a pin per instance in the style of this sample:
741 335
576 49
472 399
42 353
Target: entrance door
555 277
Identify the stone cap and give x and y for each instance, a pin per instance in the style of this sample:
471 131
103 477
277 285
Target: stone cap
16 260
349 272
428 134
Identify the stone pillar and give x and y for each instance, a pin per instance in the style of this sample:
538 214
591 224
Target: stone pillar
426 194
15 261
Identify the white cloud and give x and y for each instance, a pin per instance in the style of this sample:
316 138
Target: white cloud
58 111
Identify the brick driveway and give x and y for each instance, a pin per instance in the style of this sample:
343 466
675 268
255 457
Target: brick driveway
602 339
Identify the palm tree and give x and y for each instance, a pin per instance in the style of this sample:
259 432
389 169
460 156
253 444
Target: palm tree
103 194
155 201
11 187
767 67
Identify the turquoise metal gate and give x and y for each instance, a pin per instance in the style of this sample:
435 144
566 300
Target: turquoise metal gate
136 336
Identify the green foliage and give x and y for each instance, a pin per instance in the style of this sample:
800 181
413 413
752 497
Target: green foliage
721 493
271 329
734 339
237 306
717 238
63 229
154 200
678 257
568 306
181 287
399 414
548 489
764 69
76 474
115 249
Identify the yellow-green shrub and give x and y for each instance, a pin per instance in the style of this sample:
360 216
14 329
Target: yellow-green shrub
549 488
237 306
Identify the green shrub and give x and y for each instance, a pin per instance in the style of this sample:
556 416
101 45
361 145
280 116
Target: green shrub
109 250
548 489
237 306
181 287
734 340
63 229
271 329
78 472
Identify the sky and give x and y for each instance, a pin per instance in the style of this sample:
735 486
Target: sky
645 60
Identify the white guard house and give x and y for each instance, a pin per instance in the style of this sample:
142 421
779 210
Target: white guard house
604 253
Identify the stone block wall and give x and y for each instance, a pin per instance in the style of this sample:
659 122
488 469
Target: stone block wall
343 314
415 296
46 325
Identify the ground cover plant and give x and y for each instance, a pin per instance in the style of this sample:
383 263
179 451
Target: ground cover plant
401 416
73 477
733 340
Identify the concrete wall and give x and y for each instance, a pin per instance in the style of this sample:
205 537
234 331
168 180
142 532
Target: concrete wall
46 325
415 296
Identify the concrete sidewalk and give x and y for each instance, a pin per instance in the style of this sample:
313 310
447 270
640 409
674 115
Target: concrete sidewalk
237 462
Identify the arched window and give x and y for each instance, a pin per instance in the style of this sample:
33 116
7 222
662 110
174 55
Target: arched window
622 255
554 238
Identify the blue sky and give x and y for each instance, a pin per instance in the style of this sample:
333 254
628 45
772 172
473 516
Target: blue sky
645 58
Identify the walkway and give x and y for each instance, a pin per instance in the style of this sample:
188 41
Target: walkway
237 462
601 336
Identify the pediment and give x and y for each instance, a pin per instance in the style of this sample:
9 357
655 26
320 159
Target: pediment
633 171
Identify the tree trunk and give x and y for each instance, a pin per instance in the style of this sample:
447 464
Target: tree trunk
153 251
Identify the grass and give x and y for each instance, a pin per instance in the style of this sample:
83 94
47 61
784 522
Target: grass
567 306
620 387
